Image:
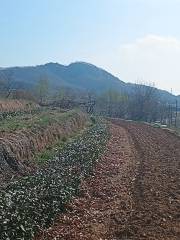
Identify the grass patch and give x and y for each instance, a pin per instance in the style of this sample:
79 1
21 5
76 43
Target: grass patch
41 119
52 151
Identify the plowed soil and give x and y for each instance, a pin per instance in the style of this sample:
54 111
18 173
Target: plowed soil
134 192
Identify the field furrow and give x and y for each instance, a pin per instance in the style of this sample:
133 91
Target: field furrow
133 193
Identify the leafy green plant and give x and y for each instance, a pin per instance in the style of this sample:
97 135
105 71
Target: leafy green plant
32 203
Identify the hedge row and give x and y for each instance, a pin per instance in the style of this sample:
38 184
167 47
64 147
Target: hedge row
31 204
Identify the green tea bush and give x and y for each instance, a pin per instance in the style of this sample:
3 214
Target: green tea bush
31 204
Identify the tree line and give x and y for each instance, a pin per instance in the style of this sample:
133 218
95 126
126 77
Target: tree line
143 103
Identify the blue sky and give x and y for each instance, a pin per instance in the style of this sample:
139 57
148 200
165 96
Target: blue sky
137 40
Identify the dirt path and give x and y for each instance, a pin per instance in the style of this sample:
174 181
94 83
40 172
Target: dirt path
134 193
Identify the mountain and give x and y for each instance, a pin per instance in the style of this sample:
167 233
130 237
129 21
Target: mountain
78 75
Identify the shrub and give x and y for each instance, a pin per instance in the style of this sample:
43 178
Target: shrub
30 204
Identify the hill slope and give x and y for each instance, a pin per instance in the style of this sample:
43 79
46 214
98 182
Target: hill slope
78 75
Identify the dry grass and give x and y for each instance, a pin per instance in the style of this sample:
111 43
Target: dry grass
16 105
18 148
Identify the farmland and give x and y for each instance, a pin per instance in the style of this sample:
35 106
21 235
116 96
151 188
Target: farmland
46 192
134 193
25 135
90 120
66 175
45 154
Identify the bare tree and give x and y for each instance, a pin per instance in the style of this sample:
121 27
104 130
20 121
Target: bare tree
144 102
90 102
6 83
42 89
112 103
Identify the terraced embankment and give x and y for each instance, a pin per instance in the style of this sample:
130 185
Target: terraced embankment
24 136
8 106
11 108
134 192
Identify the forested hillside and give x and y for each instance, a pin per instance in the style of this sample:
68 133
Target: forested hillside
78 76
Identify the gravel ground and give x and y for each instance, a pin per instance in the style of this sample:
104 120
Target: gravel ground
134 192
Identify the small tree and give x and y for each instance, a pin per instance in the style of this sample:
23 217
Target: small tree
90 102
112 103
42 89
6 83
144 102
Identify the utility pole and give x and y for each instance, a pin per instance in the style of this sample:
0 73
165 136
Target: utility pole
169 114
176 113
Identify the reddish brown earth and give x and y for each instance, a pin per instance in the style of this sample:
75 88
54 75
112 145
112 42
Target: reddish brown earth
133 194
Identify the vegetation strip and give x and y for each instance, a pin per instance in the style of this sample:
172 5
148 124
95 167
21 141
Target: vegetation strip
48 128
53 150
32 203
11 108
133 194
33 120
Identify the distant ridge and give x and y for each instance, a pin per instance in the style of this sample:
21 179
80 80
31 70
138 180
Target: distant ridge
77 75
